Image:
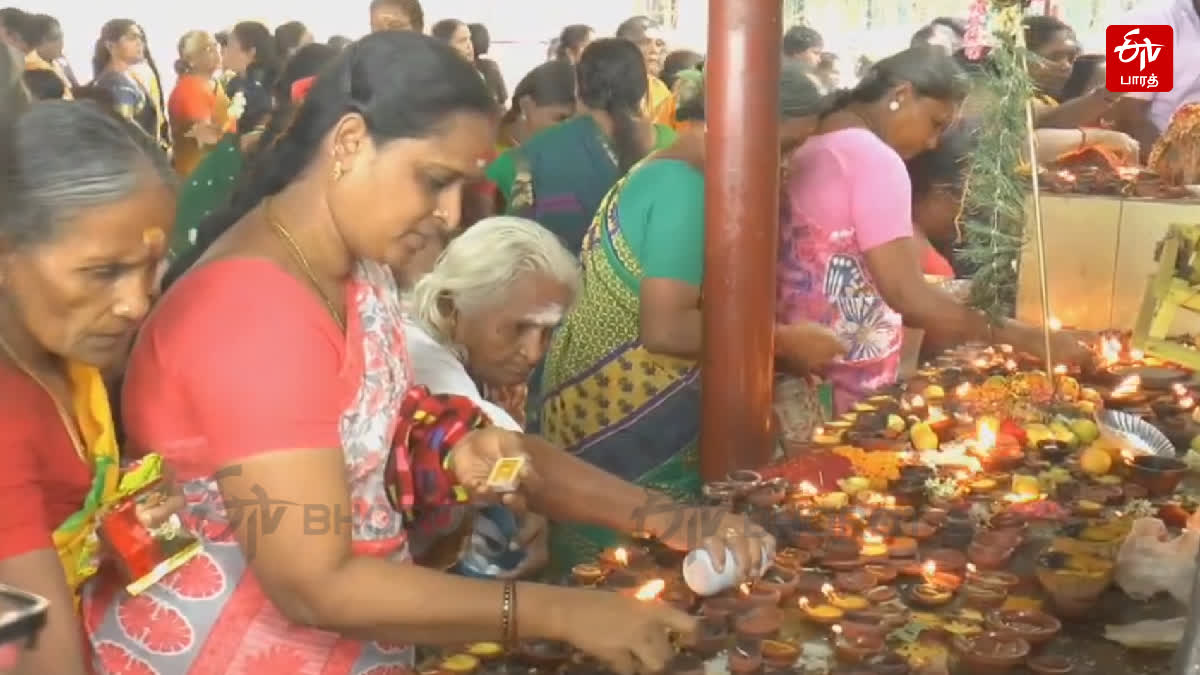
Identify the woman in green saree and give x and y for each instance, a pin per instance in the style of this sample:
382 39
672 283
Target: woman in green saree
621 386
558 177
211 183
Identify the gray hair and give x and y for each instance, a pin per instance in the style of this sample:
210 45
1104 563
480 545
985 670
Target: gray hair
479 266
71 157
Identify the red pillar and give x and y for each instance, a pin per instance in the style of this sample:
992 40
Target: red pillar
741 227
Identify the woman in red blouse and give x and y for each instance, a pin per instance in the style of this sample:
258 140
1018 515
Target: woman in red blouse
274 374
81 237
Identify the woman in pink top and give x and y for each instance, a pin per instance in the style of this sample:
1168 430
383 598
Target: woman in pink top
274 377
848 257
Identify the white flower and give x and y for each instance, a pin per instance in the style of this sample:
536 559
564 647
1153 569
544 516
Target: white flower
237 105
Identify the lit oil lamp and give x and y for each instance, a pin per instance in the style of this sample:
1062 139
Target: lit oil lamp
824 614
650 590
996 579
1127 393
853 649
930 593
587 574
804 494
963 390
761 595
1055 324
825 439
844 602
873 546
918 406
1061 369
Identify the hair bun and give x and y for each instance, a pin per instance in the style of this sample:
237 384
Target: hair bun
182 67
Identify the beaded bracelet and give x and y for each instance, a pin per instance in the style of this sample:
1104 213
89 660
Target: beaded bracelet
508 614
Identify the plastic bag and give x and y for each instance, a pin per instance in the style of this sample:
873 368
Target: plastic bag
1150 562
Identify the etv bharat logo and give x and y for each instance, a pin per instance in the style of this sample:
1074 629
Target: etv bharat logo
1139 58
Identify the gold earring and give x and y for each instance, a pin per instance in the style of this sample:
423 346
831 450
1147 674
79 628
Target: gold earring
338 171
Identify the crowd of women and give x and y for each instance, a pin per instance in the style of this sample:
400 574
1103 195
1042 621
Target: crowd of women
215 280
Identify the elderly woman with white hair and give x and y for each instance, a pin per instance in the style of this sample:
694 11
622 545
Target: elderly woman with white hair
479 323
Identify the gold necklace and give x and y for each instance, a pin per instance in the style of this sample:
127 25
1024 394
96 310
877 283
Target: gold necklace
67 419
302 260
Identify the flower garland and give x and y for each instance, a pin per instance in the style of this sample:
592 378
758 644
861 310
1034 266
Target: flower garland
993 209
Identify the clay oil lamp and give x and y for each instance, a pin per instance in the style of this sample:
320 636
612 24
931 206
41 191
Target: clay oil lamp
873 547
855 582
777 654
930 593
949 560
995 579
991 653
1074 589
762 596
841 548
759 623
880 595
857 649
792 558
723 607
1036 628
984 597
781 580
1050 664
1127 394
910 568
459 663
587 574
906 547
822 614
746 656
865 622
846 602
712 635
884 573
1160 476
810 583
685 664
989 557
